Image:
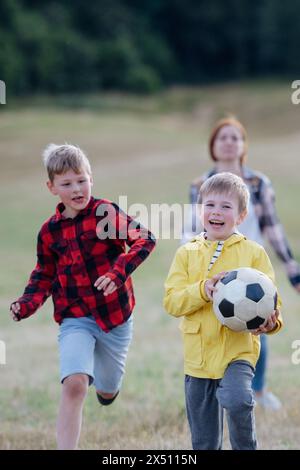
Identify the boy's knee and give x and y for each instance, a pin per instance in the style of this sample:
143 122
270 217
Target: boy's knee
236 402
76 386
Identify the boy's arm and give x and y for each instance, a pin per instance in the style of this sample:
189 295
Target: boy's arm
182 297
141 242
40 282
262 263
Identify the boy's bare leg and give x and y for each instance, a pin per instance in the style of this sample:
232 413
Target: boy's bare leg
74 390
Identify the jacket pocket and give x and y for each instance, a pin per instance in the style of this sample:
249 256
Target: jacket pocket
61 252
192 342
92 246
100 250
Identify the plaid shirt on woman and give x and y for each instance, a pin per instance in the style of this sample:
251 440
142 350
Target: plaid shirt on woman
263 198
73 253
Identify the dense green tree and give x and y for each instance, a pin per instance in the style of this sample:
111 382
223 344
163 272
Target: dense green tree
141 45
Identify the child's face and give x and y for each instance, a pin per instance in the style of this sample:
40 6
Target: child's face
74 190
228 144
220 215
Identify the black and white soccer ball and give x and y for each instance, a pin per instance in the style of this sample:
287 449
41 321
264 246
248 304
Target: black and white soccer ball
245 297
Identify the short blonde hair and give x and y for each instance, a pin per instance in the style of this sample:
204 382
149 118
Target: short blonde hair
226 183
59 159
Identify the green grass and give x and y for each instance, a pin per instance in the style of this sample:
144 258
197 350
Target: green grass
149 150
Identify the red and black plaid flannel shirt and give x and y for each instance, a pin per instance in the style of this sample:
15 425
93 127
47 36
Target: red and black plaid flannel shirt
72 254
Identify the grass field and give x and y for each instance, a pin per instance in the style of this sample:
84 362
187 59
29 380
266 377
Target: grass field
148 149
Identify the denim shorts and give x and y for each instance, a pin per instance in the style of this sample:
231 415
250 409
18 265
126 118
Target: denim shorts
86 349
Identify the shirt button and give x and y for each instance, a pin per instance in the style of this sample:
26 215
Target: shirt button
78 257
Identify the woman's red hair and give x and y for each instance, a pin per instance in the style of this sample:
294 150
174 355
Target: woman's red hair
230 121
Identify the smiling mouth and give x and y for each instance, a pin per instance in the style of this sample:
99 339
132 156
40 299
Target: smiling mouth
216 223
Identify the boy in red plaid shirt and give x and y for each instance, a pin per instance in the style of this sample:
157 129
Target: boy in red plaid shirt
83 264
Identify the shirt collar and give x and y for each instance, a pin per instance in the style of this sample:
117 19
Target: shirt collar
61 207
234 238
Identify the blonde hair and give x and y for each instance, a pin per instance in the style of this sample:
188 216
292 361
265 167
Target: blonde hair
228 121
226 183
58 159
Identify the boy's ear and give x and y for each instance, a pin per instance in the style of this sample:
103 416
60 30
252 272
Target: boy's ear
242 216
51 188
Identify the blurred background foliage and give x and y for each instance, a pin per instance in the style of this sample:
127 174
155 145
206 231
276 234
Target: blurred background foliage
142 46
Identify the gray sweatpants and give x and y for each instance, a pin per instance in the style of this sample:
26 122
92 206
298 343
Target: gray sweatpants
205 401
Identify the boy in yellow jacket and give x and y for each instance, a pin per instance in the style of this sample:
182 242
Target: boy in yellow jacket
219 363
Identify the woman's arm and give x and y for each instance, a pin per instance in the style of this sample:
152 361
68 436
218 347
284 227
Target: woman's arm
273 230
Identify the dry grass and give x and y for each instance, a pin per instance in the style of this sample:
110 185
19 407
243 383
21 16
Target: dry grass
150 157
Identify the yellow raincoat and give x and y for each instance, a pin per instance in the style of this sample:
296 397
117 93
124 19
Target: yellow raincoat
208 345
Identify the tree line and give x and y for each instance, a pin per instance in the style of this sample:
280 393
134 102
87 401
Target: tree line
142 45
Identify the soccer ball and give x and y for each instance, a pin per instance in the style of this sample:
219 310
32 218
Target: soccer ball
244 299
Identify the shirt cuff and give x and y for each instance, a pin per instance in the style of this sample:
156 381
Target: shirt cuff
202 291
276 328
23 310
115 278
